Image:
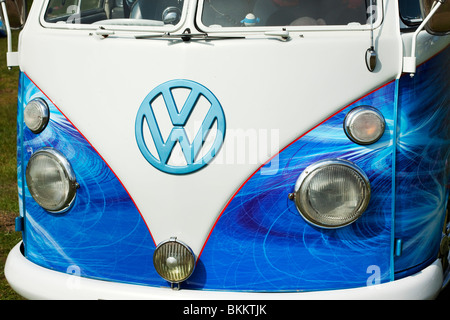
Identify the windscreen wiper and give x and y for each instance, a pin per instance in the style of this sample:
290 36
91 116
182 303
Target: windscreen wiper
187 35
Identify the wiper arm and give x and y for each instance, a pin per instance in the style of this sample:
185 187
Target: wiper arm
102 32
187 36
283 34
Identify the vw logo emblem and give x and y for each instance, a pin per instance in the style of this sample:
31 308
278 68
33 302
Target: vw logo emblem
179 116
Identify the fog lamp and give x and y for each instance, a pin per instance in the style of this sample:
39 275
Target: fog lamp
51 180
36 115
173 260
364 125
332 193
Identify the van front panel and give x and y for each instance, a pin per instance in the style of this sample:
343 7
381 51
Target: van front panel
200 129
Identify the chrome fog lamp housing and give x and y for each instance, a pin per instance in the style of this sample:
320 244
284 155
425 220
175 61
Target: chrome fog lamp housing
364 125
51 180
174 260
36 115
332 193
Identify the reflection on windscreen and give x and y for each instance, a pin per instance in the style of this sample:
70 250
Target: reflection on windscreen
115 12
236 13
215 13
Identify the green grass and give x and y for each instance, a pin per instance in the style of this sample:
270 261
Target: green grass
9 208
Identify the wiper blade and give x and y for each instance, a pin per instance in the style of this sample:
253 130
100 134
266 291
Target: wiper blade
187 36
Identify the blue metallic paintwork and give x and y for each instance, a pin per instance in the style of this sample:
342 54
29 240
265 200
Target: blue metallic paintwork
103 236
19 154
422 151
283 252
259 242
2 28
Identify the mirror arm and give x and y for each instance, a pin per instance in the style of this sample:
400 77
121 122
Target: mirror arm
11 57
7 26
409 63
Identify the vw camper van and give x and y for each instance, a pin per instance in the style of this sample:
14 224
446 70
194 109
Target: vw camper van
232 149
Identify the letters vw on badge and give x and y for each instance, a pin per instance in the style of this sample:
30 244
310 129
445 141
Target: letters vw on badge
179 117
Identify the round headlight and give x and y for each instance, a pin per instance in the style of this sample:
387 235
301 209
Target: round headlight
51 180
36 115
364 125
332 193
173 260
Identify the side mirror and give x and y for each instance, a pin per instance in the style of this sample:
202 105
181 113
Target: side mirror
16 13
439 23
14 10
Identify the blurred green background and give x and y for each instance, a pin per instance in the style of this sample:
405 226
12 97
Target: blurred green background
9 207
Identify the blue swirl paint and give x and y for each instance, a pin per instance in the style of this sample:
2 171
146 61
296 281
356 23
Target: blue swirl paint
103 235
423 156
260 242
2 28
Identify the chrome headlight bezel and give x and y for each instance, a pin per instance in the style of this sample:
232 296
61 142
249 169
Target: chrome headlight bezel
36 115
167 250
303 200
64 172
355 119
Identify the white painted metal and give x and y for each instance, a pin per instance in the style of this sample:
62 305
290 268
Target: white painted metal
271 91
35 282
